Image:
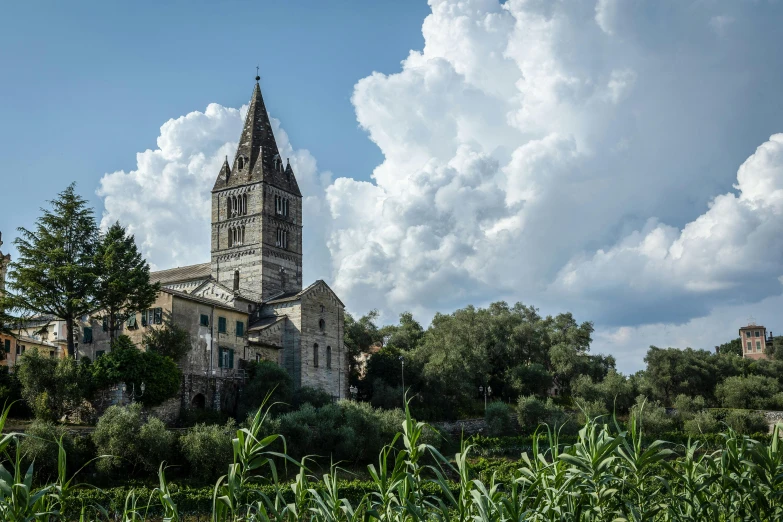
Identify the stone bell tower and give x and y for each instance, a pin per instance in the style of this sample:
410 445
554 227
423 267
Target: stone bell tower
257 214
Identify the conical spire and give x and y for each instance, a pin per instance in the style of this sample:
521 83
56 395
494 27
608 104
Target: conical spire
257 142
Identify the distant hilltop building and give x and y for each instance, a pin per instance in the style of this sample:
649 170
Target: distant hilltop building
755 343
247 302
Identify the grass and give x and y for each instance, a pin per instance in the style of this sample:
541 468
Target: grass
607 473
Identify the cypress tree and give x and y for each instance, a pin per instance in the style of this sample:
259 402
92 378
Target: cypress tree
124 286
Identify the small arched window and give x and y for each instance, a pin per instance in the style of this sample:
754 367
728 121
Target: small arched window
315 355
241 163
230 237
322 325
328 357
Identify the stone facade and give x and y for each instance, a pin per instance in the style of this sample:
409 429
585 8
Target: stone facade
254 278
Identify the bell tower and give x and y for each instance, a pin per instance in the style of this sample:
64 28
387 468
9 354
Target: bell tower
257 214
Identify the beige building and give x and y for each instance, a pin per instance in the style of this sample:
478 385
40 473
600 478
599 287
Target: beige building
247 303
754 341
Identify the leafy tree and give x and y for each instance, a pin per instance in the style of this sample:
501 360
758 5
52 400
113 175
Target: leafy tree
672 371
750 392
404 337
498 419
309 395
208 449
733 347
124 286
53 387
169 340
358 337
132 443
54 273
11 392
127 364
530 379
265 377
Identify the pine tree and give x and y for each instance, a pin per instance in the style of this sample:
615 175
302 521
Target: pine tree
55 273
124 286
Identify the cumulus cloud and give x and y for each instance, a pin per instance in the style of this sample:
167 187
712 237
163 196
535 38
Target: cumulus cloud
568 154
165 201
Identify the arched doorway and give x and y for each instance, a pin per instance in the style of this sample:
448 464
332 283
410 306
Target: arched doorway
198 402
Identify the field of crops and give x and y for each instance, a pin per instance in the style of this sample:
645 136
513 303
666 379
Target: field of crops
606 474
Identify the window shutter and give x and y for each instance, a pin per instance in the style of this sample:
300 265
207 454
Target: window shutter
8 346
230 358
220 357
158 315
240 329
204 320
221 325
143 318
87 334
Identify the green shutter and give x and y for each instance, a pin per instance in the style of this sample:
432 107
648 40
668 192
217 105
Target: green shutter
87 334
99 353
8 346
240 328
204 320
131 322
230 358
221 325
220 357
143 317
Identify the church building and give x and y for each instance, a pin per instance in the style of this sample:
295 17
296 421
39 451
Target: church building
248 302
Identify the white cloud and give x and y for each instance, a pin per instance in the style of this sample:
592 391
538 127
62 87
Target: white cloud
562 153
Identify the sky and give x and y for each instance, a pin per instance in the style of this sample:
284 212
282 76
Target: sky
618 159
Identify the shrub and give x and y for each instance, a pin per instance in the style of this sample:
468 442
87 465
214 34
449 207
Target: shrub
53 387
122 433
747 422
702 422
39 446
309 395
498 419
265 377
653 417
532 411
169 340
752 392
207 448
590 410
127 364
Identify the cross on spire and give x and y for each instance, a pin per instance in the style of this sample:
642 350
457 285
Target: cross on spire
257 76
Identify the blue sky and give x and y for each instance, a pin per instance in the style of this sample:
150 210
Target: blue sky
620 159
89 83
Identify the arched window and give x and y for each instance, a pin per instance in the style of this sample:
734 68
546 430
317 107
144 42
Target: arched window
230 237
315 355
322 325
244 204
241 163
328 357
243 234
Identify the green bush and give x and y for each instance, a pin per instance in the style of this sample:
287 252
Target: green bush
498 419
130 442
532 412
265 377
207 448
309 395
754 392
653 417
702 422
746 422
39 446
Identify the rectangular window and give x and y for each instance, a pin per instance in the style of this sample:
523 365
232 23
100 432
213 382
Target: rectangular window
105 324
240 329
204 320
328 357
18 349
748 347
8 346
315 355
51 354
747 333
99 353
225 358
282 238
758 346
221 325
87 335
758 334
131 322
158 315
